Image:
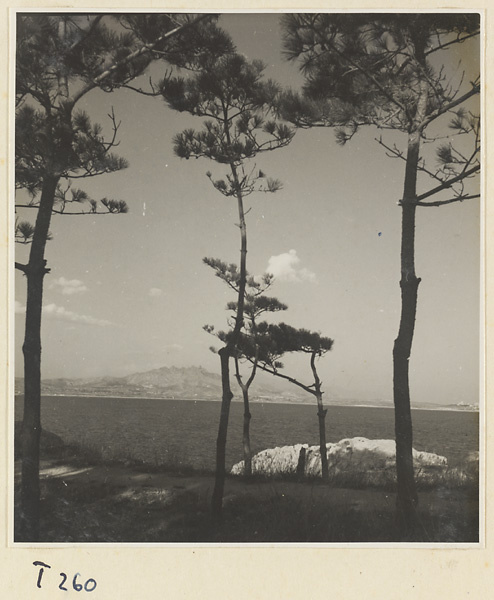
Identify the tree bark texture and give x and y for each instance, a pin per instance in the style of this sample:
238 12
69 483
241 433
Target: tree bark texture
246 436
225 354
321 414
219 482
31 426
247 416
407 498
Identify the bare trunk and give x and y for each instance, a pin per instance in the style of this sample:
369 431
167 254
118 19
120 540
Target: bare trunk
407 498
35 271
225 354
321 414
31 426
246 436
219 482
247 416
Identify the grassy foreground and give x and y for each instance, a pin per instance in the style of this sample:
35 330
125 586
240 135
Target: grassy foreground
87 499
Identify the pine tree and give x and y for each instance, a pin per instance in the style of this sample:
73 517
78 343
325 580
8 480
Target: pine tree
270 342
256 304
230 94
59 60
386 71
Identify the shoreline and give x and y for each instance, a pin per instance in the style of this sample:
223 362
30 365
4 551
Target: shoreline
257 401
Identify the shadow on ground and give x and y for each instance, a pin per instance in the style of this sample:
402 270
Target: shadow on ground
115 503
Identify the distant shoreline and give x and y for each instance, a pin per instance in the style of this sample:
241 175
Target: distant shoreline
257 401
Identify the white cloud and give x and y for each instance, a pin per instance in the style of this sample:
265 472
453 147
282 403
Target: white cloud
155 292
59 312
62 314
68 286
285 267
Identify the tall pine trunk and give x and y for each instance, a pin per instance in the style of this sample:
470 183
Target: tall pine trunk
407 498
247 452
226 399
323 449
246 436
321 414
225 354
35 271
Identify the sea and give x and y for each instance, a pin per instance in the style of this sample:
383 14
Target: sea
183 432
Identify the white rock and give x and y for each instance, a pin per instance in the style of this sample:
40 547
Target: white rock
273 461
372 461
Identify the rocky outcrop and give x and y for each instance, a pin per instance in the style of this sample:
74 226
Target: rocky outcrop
360 459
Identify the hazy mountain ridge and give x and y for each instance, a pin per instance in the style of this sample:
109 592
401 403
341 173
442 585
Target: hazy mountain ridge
198 383
165 382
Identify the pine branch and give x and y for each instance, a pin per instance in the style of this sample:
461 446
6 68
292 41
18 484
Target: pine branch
89 213
88 174
447 184
441 111
424 169
140 90
132 56
254 369
450 201
264 367
245 386
458 40
238 376
115 127
394 152
21 267
380 87
391 152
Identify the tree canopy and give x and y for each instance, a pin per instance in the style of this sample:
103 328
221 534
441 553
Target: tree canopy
366 68
60 58
386 71
232 95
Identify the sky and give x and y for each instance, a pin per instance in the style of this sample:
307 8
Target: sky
129 293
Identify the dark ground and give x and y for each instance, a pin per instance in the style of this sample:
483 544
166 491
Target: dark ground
116 503
87 499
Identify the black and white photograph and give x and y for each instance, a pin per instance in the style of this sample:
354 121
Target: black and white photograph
247 279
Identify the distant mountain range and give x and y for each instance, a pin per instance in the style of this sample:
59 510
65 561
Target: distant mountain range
166 382
196 383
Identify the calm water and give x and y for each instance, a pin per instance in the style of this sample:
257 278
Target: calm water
185 431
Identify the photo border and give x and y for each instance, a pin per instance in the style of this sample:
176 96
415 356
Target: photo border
245 570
